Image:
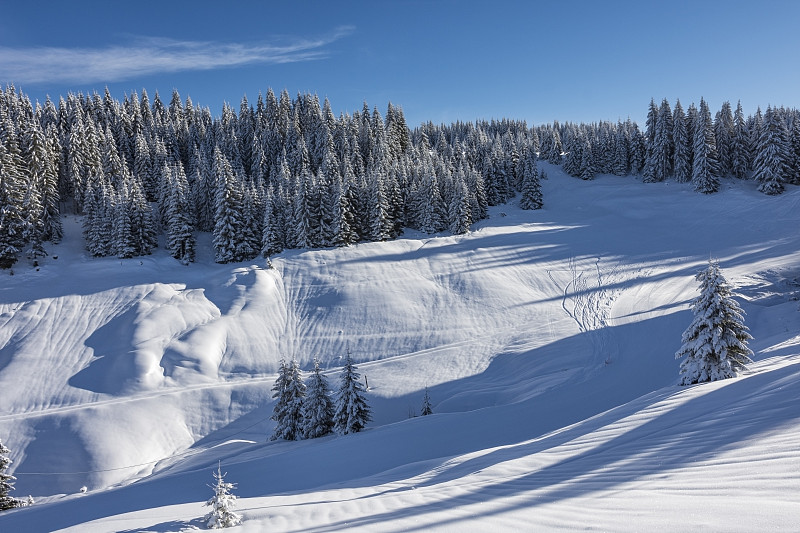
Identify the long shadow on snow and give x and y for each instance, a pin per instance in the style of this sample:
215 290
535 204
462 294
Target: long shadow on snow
689 433
374 456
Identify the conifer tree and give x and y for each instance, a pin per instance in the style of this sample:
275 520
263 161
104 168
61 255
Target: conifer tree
222 504
427 408
740 145
682 167
229 217
715 343
6 482
352 413
288 411
705 167
621 162
723 134
14 219
531 193
556 149
573 154
180 230
771 165
660 153
459 210
380 223
317 406
794 151
272 241
587 168
343 219
51 220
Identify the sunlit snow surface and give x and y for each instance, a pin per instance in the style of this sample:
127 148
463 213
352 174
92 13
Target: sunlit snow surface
545 338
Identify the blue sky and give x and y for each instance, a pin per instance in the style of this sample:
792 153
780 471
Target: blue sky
439 60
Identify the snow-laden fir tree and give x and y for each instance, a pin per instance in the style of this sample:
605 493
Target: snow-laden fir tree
740 145
682 167
531 193
772 163
6 482
705 166
427 408
180 230
459 209
352 411
222 504
660 154
317 406
715 343
288 411
229 218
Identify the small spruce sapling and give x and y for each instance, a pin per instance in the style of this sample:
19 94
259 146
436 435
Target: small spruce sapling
222 504
427 408
715 343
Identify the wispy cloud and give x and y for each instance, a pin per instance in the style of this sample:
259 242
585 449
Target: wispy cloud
148 55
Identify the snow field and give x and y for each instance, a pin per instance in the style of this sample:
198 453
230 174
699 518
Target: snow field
546 339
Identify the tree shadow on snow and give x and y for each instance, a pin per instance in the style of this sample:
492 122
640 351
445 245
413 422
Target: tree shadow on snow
167 527
688 434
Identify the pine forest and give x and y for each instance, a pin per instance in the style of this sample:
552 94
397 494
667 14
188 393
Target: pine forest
287 173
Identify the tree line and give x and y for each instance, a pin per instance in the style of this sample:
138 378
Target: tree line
287 173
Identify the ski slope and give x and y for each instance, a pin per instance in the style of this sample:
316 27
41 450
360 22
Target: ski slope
545 338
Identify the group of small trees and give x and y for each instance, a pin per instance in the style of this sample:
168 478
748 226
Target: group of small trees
307 411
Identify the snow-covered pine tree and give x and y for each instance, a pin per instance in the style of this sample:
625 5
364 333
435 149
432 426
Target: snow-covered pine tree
660 154
11 218
771 164
715 343
343 220
531 193
620 165
427 408
6 482
272 238
222 504
555 150
740 144
35 156
229 216
379 222
352 411
587 169
723 134
317 406
573 151
794 150
180 231
682 167
288 411
705 167
638 150
51 220
458 212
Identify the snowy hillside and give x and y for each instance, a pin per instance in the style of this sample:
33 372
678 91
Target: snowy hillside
545 338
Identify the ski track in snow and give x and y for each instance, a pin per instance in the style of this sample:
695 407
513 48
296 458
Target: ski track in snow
546 339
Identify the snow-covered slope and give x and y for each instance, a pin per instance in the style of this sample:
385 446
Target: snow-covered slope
546 339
